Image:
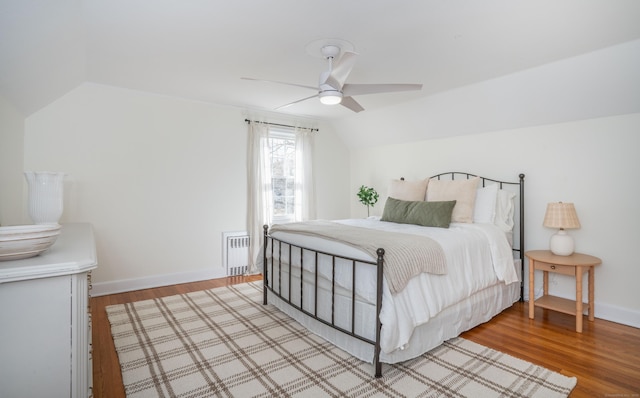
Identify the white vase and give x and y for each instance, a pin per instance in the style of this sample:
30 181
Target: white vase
45 196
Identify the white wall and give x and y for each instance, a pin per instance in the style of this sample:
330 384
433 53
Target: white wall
12 211
591 163
159 178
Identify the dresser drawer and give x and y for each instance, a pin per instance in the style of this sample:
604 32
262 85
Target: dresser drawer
558 269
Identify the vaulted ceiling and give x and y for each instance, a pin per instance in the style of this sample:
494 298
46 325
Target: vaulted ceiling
200 49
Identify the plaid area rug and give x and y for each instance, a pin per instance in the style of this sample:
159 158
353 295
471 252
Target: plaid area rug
224 342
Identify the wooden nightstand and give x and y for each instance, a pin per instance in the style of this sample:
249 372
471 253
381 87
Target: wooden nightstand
574 265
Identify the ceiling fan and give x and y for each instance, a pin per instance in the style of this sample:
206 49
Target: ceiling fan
333 90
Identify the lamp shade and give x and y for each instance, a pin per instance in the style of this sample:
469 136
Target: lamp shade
561 215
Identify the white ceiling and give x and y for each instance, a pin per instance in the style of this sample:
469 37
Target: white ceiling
199 49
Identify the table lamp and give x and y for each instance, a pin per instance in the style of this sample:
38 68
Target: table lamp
563 216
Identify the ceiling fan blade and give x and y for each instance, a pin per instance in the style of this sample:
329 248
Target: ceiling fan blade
295 102
362 89
342 68
273 81
351 104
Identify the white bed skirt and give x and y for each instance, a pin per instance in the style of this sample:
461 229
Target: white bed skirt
449 323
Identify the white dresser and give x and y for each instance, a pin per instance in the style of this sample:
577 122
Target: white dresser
45 322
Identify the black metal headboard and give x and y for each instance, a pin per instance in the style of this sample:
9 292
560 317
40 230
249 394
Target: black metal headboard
514 186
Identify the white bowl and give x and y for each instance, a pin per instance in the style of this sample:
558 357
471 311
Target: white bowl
24 241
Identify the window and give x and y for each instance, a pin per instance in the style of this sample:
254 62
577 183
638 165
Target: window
281 185
282 148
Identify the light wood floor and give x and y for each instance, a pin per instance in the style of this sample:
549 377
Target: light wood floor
605 357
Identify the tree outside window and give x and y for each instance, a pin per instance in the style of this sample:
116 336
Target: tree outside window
283 173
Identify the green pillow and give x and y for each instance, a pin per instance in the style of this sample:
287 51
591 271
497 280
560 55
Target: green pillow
427 214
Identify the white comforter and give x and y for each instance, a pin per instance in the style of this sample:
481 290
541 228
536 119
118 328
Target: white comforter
478 256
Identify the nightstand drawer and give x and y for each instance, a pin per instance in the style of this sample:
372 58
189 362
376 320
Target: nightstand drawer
558 269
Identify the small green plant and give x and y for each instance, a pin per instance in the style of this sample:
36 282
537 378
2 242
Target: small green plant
368 197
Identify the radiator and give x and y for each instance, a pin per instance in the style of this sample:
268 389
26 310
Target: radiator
235 252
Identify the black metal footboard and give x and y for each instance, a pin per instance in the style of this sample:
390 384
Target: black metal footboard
273 245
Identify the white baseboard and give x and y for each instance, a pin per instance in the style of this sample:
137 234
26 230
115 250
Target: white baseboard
617 314
625 316
127 285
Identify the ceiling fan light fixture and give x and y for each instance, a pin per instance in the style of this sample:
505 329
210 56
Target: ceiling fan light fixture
330 97
332 87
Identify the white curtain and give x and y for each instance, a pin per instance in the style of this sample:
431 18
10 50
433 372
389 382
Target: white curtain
305 196
260 194
259 201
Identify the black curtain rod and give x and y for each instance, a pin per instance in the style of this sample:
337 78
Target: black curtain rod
278 124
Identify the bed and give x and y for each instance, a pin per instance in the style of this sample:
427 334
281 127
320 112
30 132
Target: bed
430 283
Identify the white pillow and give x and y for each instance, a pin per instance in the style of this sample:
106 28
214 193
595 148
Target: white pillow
484 210
462 191
408 190
505 210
